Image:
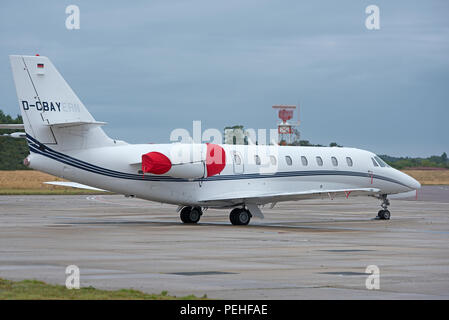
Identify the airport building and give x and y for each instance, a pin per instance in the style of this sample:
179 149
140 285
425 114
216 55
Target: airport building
235 135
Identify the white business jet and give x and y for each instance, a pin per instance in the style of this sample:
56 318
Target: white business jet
66 141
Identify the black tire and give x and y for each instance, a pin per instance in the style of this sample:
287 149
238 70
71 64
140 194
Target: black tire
195 215
240 217
185 212
380 214
244 217
233 216
190 215
384 215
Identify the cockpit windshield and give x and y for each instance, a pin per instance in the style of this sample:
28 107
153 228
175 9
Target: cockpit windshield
381 162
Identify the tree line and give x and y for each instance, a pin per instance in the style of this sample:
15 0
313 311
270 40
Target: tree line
12 151
407 162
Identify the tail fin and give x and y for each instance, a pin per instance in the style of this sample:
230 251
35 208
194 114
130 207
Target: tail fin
51 111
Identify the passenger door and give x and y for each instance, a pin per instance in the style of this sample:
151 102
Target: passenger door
238 162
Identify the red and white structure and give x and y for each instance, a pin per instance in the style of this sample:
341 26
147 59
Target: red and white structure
285 125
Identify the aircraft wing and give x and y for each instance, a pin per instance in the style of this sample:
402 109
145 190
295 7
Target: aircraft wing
73 185
264 198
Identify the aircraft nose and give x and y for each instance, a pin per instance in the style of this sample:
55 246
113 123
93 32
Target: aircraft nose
414 184
410 182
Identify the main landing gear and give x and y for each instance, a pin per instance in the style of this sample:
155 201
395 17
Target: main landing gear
384 214
240 216
191 214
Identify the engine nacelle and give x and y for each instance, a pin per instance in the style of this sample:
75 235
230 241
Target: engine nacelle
186 161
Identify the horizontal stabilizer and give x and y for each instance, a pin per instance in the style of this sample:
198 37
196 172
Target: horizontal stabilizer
73 185
15 126
75 123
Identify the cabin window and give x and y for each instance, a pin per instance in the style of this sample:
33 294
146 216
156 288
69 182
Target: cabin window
334 161
257 159
374 162
288 159
304 161
349 161
319 161
273 160
237 159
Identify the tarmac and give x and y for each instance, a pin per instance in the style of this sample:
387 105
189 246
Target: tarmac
314 249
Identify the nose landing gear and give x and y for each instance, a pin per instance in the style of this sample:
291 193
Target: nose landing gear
384 214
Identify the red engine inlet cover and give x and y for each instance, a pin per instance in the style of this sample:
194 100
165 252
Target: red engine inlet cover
156 163
215 159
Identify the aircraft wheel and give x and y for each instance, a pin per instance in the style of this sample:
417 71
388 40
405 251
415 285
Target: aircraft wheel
233 214
240 216
384 215
190 215
380 214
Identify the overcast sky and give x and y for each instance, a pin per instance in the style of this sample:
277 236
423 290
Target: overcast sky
148 67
